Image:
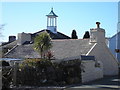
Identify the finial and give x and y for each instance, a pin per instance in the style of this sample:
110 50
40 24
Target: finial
98 24
52 9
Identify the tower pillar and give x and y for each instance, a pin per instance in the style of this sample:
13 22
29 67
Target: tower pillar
52 21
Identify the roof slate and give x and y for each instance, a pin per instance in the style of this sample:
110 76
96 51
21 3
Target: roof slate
61 49
23 51
57 35
70 48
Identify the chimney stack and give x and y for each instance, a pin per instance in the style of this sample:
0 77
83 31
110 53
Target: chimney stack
97 34
98 24
12 38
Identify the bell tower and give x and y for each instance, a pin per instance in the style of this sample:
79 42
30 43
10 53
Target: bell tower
52 21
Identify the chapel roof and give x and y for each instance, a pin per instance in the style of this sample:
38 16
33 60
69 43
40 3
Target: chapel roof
57 35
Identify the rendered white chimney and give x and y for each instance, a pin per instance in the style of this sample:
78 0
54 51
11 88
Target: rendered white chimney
97 34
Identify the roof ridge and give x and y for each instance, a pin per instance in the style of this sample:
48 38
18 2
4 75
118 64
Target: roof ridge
115 34
68 39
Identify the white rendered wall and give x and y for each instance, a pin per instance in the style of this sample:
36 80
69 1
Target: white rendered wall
91 72
103 54
118 46
52 29
97 35
112 45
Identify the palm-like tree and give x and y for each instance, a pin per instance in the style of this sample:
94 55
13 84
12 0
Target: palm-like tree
42 43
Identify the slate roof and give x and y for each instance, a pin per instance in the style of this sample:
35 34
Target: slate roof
26 46
71 48
23 51
11 44
62 49
57 35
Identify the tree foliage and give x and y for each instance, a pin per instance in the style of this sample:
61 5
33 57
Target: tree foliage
5 63
1 28
42 72
86 35
74 35
42 43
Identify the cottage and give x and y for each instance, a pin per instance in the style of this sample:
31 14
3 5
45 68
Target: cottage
96 46
65 48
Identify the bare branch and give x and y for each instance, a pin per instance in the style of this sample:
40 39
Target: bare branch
1 28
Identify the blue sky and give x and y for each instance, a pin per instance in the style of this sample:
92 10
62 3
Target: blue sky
30 17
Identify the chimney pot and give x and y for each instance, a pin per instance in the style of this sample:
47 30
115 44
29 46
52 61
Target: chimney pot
98 24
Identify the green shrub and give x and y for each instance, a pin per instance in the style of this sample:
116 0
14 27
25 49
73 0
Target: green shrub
42 72
5 63
36 63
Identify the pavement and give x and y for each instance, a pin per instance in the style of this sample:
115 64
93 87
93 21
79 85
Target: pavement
106 83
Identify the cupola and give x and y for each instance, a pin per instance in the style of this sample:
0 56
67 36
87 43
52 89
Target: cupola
52 21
